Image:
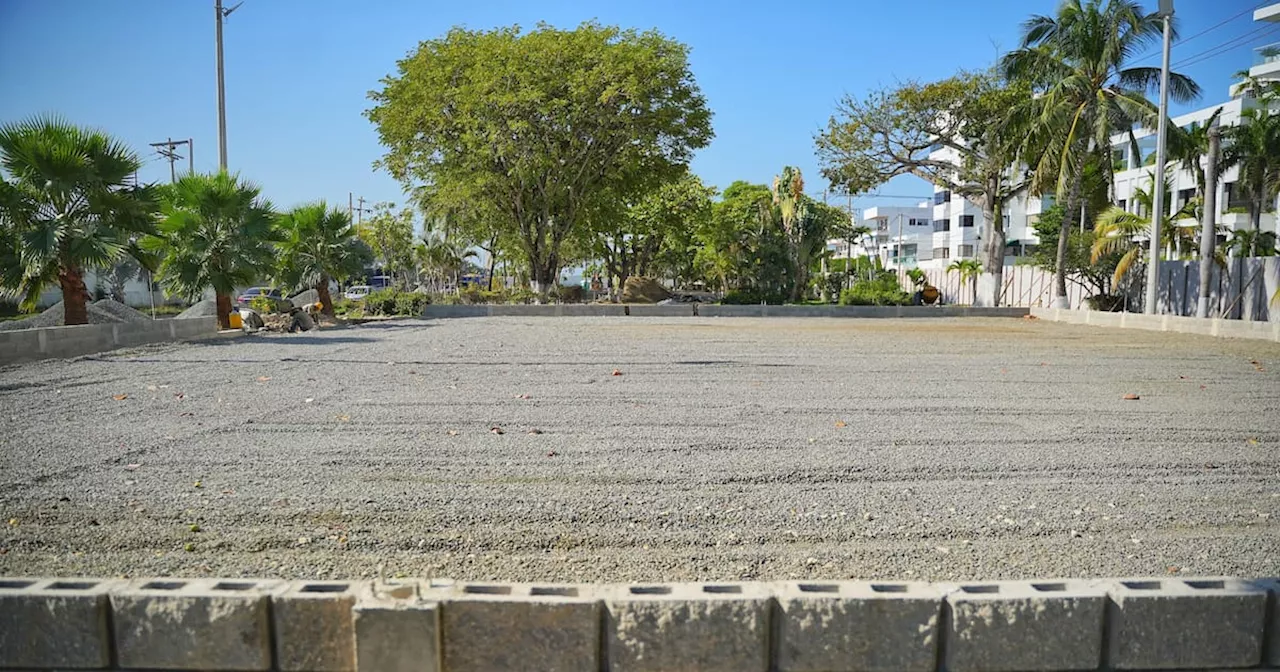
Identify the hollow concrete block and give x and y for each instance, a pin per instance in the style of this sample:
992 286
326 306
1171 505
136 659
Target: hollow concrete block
521 626
890 627
1024 626
313 626
708 627
193 624
54 623
397 627
1172 624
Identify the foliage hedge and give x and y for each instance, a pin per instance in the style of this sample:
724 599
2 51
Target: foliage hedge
882 291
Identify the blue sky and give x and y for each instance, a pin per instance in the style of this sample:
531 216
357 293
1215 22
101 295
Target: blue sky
298 71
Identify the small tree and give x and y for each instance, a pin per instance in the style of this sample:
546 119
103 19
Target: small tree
319 244
215 232
969 270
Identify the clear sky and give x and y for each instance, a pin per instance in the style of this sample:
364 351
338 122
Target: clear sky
298 71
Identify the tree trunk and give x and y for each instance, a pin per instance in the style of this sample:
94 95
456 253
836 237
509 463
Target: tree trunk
224 310
75 296
993 265
326 301
1060 262
1255 225
493 259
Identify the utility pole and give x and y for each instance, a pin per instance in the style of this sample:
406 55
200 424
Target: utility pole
219 15
168 149
1208 233
1153 264
360 210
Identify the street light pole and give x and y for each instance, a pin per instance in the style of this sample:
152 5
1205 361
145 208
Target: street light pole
1208 232
1153 254
219 15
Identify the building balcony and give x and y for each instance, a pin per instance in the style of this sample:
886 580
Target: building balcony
1268 13
1266 62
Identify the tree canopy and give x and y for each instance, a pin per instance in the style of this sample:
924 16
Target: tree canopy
539 126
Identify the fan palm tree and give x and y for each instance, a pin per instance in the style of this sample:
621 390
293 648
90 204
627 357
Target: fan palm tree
1078 61
969 269
67 203
318 244
215 232
1253 146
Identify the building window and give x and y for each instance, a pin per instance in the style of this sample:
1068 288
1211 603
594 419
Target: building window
965 251
941 225
941 253
918 222
1028 250
909 250
1185 196
966 221
1122 204
940 197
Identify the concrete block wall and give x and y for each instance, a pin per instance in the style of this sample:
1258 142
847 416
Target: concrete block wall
24 345
1266 331
714 310
1163 623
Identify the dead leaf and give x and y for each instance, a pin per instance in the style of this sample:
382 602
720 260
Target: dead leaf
552 453
1131 397
522 396
1253 441
617 372
308 400
1029 317
535 430
840 423
1203 387
263 379
120 397
1257 365
131 467
1171 569
179 396
453 432
496 430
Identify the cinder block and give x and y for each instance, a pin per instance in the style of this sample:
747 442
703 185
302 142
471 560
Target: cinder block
521 627
313 626
193 624
707 627
397 627
857 626
54 623
1024 626
1272 655
1168 624
652 310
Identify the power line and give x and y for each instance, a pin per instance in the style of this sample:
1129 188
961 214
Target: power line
1226 47
1214 27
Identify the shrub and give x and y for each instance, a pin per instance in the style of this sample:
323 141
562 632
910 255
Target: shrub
344 307
262 304
749 297
381 302
411 303
521 295
883 291
570 293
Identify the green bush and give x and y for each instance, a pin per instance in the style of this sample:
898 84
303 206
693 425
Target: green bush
345 307
395 303
570 293
412 303
883 291
262 304
752 297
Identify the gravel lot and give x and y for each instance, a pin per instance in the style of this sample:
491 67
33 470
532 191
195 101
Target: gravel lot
727 448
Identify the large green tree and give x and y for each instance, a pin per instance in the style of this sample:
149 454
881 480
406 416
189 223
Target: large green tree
538 126
976 119
1079 63
318 244
67 203
389 233
215 232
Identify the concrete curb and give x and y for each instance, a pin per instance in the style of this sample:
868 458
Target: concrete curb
26 345
244 624
1263 331
714 310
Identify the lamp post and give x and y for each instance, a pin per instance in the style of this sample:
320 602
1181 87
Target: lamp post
1157 213
219 15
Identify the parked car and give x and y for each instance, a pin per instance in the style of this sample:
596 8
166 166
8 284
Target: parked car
279 302
357 292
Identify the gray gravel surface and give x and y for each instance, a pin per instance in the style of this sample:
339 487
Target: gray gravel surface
728 448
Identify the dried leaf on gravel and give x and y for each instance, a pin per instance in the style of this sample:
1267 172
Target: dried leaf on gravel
132 466
617 372
1131 397
120 397
495 430
453 432
1253 441
1257 365
198 484
535 430
840 423
522 396
552 453
263 379
343 418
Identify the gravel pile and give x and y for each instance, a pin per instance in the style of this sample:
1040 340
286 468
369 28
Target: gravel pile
55 316
120 311
205 308
507 449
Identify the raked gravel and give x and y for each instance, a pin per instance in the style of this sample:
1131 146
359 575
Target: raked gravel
727 449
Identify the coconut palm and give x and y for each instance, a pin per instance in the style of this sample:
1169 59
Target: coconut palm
1251 243
1253 146
1078 61
969 269
788 195
443 258
67 203
318 244
215 232
1187 146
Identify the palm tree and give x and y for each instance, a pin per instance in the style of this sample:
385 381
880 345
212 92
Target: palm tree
67 202
444 258
318 244
1117 230
1188 145
1251 243
969 269
788 195
216 231
1077 61
1253 146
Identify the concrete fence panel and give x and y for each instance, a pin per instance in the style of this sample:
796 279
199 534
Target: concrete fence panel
24 345
1210 623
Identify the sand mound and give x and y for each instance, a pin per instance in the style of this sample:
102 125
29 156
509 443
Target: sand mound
306 298
125 313
206 308
55 316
